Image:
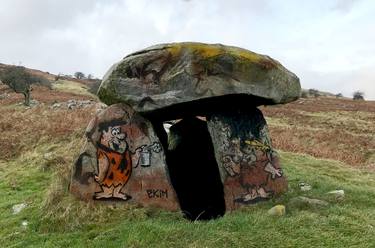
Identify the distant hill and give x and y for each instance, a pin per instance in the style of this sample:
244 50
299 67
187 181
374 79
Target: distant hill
53 77
63 82
305 93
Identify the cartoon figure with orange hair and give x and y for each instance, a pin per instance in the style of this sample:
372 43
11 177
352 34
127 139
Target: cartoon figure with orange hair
115 160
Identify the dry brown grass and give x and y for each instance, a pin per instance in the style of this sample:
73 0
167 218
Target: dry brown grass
23 128
339 129
41 94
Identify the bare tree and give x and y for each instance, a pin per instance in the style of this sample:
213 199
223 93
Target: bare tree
358 95
20 81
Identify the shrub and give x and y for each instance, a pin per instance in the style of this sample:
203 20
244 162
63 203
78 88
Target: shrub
339 95
314 92
358 95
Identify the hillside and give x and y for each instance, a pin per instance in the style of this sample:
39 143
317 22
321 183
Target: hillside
326 142
59 82
324 127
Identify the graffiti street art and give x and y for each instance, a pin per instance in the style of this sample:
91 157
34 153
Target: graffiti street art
157 193
116 160
247 157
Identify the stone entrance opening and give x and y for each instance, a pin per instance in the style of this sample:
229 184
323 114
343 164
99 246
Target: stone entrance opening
194 171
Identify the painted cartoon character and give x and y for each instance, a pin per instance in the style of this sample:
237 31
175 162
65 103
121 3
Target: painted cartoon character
252 161
115 161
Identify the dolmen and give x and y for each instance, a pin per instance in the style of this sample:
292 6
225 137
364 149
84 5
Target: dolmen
182 130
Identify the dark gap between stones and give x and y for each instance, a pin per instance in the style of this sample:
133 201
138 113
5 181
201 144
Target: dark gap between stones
193 169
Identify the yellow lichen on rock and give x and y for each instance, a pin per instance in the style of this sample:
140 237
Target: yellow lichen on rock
213 50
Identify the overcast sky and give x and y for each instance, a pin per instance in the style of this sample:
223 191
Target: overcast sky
330 45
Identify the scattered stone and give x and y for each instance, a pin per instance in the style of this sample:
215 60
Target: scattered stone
337 194
34 102
304 187
48 156
278 210
56 105
24 223
18 208
73 104
4 96
309 201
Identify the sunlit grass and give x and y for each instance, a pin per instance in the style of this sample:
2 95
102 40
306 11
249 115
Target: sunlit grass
71 87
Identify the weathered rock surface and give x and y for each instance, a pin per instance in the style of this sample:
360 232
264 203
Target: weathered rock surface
18 208
278 210
249 167
74 104
304 186
337 194
122 160
170 74
302 200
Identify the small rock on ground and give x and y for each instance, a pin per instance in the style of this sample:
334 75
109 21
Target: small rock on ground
18 208
278 210
309 201
304 187
338 194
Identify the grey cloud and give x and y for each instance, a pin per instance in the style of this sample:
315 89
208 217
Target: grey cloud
66 36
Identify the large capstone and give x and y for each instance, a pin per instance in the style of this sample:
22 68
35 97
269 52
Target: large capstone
169 75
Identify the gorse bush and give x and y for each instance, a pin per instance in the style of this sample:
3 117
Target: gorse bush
358 95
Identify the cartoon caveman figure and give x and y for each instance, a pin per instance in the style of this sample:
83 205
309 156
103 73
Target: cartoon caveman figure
115 161
253 163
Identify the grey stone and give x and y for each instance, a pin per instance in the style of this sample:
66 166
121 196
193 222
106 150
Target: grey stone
56 105
337 194
304 187
18 208
309 201
170 74
4 96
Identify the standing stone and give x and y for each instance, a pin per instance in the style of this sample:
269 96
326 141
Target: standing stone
122 160
249 167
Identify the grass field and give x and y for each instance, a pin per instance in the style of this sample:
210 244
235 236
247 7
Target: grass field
55 219
39 145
